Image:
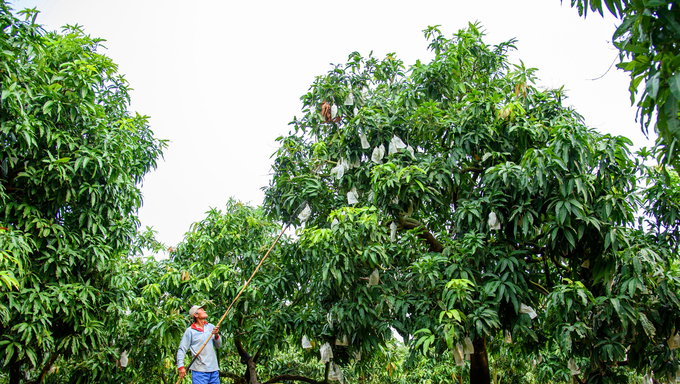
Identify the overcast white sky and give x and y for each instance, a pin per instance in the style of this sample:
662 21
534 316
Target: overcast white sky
222 79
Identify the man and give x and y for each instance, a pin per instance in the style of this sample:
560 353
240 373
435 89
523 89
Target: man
205 369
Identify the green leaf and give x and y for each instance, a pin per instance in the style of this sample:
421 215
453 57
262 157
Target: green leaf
674 83
563 215
669 18
635 49
47 107
647 326
653 85
613 8
624 28
655 3
570 238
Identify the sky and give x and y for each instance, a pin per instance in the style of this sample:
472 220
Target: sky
221 80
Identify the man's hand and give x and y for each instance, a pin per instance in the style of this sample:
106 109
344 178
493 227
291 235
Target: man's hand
182 373
216 330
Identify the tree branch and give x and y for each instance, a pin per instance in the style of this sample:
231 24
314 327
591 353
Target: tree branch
560 266
250 374
279 378
539 288
45 369
301 294
435 245
548 281
241 352
472 169
237 379
258 354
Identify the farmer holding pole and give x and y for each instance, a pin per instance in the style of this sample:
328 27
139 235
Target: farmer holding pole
205 369
197 337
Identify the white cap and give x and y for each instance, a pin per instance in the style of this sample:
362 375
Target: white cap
193 310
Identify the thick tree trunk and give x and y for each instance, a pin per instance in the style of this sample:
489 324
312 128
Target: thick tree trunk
252 373
479 363
15 375
327 372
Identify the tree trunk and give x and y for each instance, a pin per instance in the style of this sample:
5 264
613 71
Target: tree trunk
250 375
14 373
252 372
46 369
479 363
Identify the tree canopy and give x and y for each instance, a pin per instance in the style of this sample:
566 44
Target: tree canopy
478 200
72 158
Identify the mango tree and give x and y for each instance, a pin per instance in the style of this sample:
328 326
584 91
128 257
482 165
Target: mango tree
460 205
216 257
71 161
261 334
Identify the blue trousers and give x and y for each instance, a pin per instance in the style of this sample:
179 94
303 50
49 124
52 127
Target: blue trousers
205 377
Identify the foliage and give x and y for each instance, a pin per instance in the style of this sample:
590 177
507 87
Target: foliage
218 253
72 159
491 196
647 40
216 256
663 211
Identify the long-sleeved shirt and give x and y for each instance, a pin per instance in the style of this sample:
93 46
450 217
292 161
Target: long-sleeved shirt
193 339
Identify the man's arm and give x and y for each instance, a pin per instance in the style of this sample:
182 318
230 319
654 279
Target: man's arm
217 340
182 351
